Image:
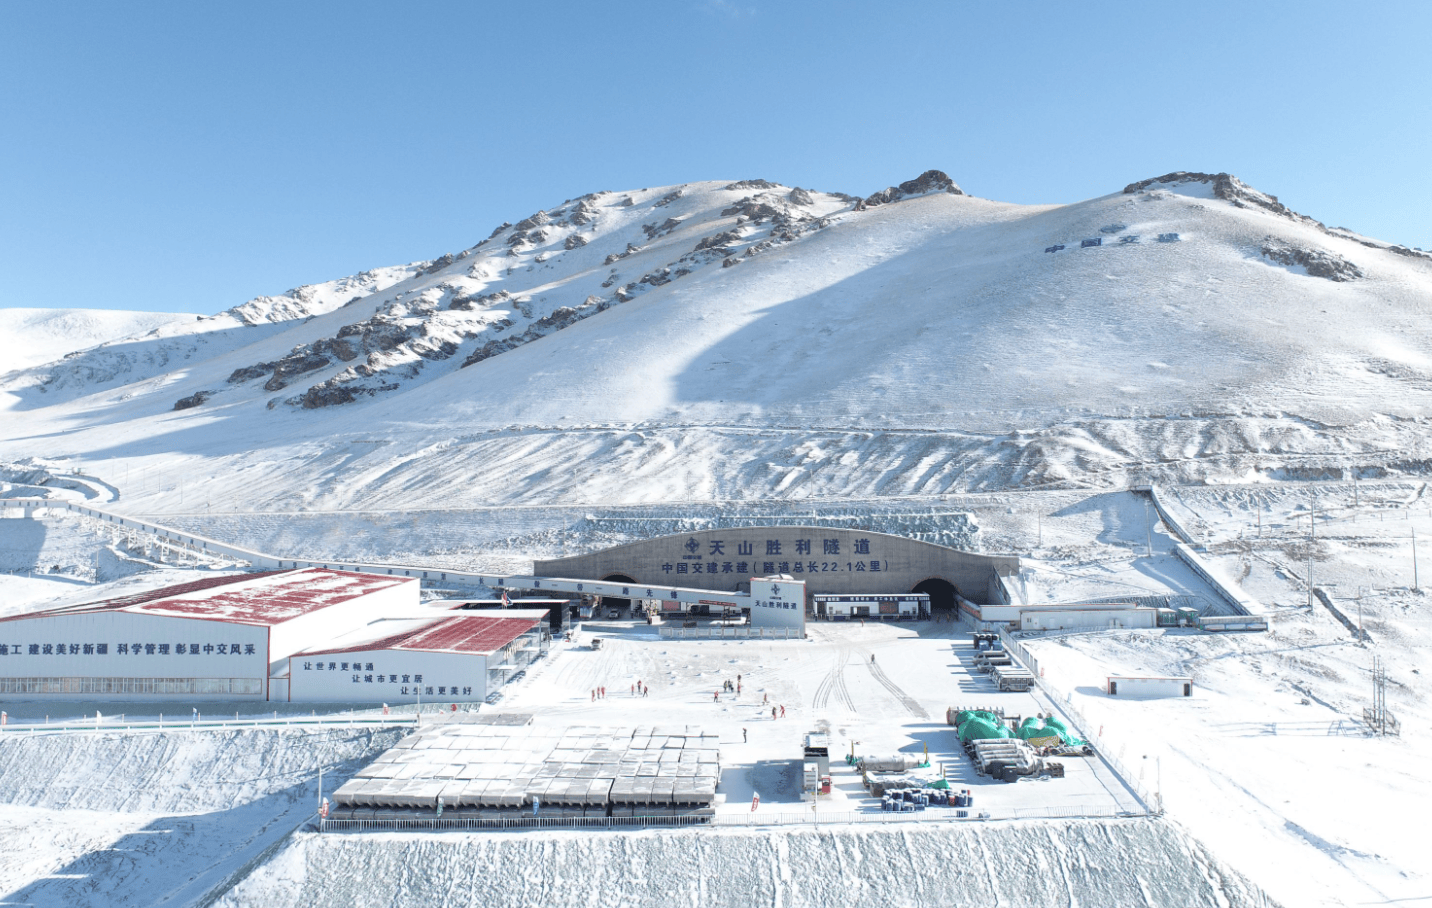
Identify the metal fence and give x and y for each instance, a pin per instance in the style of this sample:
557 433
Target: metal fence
437 823
752 819
179 722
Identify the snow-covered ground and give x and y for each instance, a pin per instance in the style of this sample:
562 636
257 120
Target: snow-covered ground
157 818
1143 863
1267 759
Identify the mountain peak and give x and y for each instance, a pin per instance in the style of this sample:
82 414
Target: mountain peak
928 182
1224 186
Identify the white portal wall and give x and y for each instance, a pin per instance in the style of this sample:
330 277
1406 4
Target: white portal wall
400 671
88 634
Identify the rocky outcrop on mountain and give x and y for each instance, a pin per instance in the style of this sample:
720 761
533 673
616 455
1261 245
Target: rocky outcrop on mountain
558 319
249 373
756 209
585 213
469 303
654 231
438 264
799 196
631 249
193 400
927 182
292 366
720 242
667 199
747 185
1228 188
1315 262
316 299
574 241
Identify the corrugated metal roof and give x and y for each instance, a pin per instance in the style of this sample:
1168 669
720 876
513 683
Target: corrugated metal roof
264 599
476 634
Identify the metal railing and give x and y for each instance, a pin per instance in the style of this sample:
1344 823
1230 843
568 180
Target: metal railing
178 722
752 819
434 822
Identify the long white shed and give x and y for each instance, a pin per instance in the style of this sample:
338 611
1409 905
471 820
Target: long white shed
1149 686
1086 618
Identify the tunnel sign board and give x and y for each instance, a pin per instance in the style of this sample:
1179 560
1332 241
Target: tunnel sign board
778 603
772 551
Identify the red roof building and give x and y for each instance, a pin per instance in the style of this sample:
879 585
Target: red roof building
219 638
457 657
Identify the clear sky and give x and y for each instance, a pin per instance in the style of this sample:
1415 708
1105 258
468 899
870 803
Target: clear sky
189 156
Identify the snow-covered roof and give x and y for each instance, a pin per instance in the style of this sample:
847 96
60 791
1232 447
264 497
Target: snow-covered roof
264 599
475 634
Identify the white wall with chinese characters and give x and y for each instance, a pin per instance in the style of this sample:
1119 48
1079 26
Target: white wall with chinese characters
778 603
119 644
387 676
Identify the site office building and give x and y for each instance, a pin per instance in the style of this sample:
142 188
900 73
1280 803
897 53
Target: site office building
225 638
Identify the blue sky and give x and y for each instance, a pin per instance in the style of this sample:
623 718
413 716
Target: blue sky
189 156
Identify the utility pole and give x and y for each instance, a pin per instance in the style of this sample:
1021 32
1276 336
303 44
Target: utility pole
1415 585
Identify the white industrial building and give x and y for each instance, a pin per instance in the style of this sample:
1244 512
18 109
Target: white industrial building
454 656
223 638
1149 686
1086 617
841 607
1062 616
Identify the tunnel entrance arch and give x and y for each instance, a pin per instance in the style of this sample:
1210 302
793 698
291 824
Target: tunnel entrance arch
942 594
617 601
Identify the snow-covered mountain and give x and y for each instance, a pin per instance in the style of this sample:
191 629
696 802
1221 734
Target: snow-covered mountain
742 340
34 337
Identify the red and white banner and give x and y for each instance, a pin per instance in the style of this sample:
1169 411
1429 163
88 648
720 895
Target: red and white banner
323 810
755 801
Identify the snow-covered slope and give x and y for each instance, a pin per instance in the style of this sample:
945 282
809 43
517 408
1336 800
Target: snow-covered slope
748 340
1034 863
32 337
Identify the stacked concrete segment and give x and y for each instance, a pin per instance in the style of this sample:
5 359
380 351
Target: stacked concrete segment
588 769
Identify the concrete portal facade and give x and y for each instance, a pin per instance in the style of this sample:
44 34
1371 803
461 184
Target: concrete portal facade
828 560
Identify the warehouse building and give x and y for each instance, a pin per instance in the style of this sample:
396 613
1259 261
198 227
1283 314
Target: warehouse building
454 656
222 638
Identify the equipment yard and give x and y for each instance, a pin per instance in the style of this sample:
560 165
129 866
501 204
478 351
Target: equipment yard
876 689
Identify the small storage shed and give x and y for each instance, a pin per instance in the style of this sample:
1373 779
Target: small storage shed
1149 686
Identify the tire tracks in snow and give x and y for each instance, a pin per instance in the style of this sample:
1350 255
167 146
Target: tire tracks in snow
911 705
834 683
